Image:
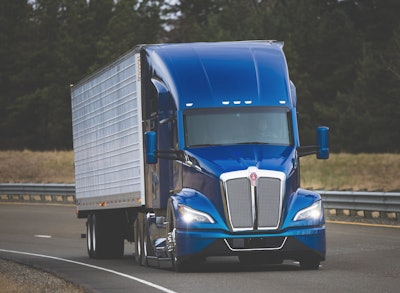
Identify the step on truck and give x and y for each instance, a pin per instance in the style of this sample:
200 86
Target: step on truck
192 150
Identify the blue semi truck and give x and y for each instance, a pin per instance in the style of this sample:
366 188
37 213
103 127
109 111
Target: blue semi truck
192 150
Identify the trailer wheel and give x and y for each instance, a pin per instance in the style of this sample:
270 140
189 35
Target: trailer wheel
89 236
104 236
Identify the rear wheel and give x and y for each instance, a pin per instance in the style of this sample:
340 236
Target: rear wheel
148 249
142 242
90 236
138 241
104 236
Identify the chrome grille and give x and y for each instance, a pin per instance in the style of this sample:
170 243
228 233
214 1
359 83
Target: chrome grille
239 203
253 205
268 202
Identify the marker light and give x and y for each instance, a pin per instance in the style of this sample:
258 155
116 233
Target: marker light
313 212
190 215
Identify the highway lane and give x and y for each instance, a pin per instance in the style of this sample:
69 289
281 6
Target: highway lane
359 259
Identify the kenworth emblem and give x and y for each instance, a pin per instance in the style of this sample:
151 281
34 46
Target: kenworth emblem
253 178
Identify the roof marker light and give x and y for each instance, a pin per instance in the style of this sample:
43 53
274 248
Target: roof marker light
282 102
248 102
237 102
225 102
189 104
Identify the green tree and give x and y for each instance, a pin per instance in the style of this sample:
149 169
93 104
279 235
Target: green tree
17 33
192 17
368 116
343 56
133 22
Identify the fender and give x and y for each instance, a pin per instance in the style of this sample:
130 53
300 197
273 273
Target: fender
199 202
297 201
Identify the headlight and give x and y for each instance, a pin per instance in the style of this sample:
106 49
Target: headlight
313 212
190 215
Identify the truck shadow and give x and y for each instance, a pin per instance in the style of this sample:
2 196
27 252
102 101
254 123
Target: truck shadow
232 264
208 267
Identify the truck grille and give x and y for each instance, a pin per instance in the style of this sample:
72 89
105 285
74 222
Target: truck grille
253 198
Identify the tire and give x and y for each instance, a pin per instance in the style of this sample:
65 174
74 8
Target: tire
138 232
179 264
105 237
148 249
89 236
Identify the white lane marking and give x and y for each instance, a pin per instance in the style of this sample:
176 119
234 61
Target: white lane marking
42 236
93 267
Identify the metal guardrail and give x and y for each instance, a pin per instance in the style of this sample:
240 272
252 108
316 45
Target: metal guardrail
37 193
388 202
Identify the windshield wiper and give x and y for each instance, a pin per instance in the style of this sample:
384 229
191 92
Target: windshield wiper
253 142
203 145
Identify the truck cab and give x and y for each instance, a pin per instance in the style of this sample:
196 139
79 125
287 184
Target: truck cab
221 158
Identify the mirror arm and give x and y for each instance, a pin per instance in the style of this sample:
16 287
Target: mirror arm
171 155
303 151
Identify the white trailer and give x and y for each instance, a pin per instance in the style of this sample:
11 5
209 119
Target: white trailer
108 154
107 132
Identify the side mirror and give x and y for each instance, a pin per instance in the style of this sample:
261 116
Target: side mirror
151 147
323 142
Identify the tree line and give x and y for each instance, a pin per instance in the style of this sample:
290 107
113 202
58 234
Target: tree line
343 56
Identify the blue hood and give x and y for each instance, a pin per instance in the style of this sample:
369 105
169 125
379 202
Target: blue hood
220 159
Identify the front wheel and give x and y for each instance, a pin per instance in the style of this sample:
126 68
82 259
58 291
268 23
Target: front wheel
179 264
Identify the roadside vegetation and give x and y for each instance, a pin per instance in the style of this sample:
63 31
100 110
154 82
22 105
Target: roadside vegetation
371 172
36 167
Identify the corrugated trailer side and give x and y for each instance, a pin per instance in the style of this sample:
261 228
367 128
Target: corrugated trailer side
107 136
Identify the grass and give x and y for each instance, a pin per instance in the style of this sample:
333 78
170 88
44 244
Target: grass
36 167
370 172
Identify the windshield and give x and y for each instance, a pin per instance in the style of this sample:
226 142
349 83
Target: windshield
250 125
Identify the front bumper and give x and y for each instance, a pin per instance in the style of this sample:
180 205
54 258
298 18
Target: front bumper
290 244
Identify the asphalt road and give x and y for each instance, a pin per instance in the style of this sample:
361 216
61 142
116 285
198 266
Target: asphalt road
359 259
